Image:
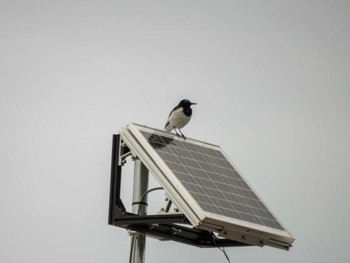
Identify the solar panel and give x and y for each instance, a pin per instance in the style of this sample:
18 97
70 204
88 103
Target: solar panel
205 185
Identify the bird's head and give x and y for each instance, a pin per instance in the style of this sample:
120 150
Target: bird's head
186 103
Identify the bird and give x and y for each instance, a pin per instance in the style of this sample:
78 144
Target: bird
179 117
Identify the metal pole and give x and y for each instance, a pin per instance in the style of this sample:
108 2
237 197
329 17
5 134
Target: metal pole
139 207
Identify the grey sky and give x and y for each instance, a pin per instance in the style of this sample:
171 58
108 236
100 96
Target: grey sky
271 79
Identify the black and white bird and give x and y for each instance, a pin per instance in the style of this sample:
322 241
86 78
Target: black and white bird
179 117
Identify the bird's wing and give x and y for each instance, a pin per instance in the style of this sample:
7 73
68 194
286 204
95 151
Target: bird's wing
168 120
176 108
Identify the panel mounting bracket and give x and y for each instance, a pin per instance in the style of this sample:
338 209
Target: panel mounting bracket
124 152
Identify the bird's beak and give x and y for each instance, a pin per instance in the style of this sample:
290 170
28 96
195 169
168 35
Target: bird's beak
193 103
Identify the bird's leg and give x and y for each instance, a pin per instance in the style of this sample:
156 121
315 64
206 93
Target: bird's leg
176 132
182 135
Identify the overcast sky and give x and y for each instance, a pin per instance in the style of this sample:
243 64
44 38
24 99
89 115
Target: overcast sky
271 79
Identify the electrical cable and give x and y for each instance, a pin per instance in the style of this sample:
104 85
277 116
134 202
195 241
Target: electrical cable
138 213
131 247
221 249
145 194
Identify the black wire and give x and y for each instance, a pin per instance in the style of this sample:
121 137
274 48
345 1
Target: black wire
221 249
131 247
138 213
145 194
